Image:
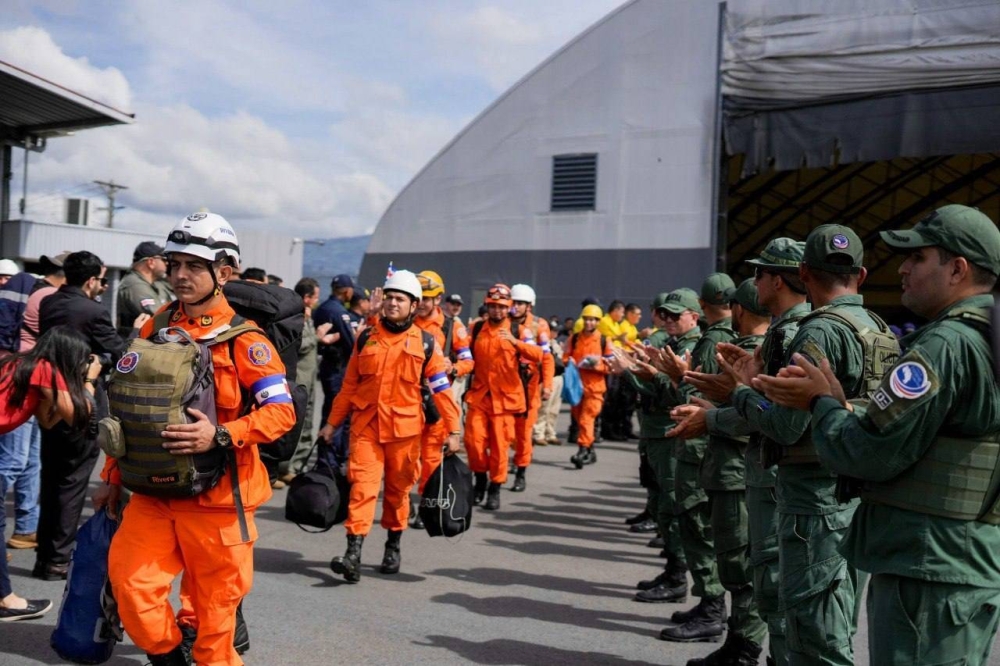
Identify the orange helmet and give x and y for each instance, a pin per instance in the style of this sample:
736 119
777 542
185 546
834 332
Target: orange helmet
499 293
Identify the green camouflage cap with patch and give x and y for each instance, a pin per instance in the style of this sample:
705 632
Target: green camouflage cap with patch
959 229
682 300
780 254
746 296
660 299
713 289
829 241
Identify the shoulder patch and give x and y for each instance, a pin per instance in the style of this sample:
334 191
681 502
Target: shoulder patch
813 352
259 353
128 362
461 331
909 380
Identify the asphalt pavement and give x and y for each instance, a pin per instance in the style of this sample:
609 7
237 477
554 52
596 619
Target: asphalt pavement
546 580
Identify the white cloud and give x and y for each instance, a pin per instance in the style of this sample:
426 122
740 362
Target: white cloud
32 48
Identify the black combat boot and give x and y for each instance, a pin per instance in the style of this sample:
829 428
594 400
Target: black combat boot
671 586
706 625
599 435
736 651
574 431
392 558
590 456
349 566
492 497
638 518
481 482
656 542
175 657
646 526
519 482
188 636
577 458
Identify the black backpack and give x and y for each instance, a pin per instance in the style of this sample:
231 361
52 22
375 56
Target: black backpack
319 497
446 504
281 314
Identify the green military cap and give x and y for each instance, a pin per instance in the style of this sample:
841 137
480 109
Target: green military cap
746 296
713 289
959 229
660 299
781 254
834 240
682 300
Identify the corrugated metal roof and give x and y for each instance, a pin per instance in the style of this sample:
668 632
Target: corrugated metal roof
33 106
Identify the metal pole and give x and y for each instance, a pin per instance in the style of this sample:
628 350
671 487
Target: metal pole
23 206
5 177
719 176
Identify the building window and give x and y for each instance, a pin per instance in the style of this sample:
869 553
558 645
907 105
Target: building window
574 182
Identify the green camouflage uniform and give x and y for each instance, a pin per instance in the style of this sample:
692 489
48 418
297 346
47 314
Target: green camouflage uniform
136 296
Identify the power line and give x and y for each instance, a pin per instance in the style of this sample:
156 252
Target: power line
110 190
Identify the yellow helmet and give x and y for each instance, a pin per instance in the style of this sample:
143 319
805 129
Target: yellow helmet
431 283
592 312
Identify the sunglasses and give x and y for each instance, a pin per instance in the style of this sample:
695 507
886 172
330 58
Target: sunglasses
760 272
103 281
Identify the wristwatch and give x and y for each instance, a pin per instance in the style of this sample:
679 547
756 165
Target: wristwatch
222 437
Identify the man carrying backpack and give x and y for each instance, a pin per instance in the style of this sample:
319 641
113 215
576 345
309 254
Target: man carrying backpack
209 537
382 392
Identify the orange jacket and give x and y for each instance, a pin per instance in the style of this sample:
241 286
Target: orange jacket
536 331
496 378
383 382
460 341
254 360
583 344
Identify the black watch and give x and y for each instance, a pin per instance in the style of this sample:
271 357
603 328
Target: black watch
222 437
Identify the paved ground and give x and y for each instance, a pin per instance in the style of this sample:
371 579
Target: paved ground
547 580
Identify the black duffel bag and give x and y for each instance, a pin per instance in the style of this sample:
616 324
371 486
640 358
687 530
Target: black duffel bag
446 505
318 498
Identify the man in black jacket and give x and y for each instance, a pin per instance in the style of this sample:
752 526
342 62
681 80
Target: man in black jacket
68 456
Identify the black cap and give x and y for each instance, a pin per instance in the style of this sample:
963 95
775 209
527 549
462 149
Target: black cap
145 250
342 281
454 299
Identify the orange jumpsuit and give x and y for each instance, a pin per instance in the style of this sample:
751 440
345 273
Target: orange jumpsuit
381 392
495 398
200 536
432 439
578 346
534 330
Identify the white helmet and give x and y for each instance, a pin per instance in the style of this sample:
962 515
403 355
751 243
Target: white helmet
523 293
204 235
406 282
8 267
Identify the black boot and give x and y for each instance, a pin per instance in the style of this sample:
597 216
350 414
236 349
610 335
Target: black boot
392 558
415 521
574 431
646 526
349 566
598 430
577 458
173 658
590 456
493 497
188 636
736 651
656 542
638 518
241 637
707 624
671 586
519 483
481 482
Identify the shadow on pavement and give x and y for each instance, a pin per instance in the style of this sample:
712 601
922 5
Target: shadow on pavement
31 640
506 651
506 577
549 548
546 611
577 500
546 529
272 560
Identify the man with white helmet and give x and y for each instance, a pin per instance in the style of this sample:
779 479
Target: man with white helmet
392 360
533 330
208 537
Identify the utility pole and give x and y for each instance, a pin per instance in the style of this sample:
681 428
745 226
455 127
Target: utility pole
110 190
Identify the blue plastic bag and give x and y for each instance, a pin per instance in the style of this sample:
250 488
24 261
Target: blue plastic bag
82 634
572 391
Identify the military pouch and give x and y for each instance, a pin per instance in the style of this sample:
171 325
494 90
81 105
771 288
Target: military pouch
110 437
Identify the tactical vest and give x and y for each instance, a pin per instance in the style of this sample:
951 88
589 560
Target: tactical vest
152 386
880 351
956 478
774 349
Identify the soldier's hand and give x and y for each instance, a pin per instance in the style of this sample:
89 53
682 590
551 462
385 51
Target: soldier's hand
802 382
190 438
140 321
691 422
730 352
644 370
717 388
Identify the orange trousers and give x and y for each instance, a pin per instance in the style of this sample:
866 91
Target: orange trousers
585 414
487 441
525 426
155 543
430 452
368 462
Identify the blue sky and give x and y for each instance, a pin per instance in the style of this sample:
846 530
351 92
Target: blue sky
306 115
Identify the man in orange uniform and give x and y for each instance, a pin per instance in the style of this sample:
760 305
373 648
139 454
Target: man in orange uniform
382 392
589 349
532 330
454 344
207 537
496 396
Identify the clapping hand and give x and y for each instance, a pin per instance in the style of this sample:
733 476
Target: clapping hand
797 385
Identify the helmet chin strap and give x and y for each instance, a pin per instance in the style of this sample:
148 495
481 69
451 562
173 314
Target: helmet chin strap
216 289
